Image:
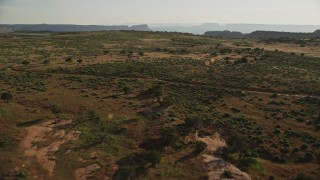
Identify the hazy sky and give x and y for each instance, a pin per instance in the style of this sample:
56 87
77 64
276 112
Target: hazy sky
159 11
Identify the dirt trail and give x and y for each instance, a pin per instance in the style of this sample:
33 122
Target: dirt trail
60 50
40 135
216 164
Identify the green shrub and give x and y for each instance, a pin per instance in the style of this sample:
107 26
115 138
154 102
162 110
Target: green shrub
169 136
68 59
295 150
127 173
243 60
308 157
153 157
302 176
5 140
303 147
3 112
156 90
184 51
25 62
123 52
126 90
39 86
167 101
141 53
105 52
225 51
237 144
6 96
279 159
235 110
227 174
46 61
193 122
276 131
214 54
247 162
199 147
226 115
130 53
55 109
274 95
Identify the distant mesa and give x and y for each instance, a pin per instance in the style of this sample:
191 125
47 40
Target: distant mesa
207 29
262 34
243 28
68 28
142 27
317 32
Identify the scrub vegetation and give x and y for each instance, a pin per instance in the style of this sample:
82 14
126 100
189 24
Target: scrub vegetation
133 105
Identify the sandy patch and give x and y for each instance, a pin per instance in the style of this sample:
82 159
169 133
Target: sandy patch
39 134
85 173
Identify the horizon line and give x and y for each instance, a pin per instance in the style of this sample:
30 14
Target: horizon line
202 23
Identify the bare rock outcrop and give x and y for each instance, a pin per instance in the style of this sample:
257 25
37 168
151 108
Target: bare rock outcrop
216 165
